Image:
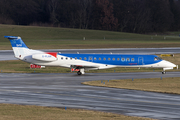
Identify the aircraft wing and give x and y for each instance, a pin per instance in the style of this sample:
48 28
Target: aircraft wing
84 66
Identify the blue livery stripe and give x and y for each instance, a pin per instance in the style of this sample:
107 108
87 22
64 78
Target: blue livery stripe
116 59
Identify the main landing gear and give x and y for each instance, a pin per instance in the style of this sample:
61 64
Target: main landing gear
163 72
80 72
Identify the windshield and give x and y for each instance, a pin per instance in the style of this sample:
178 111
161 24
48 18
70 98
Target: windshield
157 58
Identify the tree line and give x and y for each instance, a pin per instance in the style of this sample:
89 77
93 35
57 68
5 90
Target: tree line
136 16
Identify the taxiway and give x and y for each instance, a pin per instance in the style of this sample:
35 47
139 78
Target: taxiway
66 90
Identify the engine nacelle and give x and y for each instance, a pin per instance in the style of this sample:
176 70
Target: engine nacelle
44 57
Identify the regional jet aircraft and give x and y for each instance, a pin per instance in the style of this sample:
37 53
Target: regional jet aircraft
85 62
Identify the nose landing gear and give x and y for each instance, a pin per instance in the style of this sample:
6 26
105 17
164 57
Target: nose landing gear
164 70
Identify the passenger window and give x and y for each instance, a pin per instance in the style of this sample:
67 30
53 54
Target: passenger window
109 58
85 58
99 58
95 58
122 59
132 59
75 58
66 58
118 59
128 59
104 58
113 58
80 58
61 58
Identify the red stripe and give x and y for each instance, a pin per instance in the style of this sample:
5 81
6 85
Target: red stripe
133 63
53 54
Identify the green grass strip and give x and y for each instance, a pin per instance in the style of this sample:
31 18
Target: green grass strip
163 85
21 112
65 38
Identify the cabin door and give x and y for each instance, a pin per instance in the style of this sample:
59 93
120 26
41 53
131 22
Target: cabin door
140 61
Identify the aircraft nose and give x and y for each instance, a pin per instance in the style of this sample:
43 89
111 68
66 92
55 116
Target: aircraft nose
168 64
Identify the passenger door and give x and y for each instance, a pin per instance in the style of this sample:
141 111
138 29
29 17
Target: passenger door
140 61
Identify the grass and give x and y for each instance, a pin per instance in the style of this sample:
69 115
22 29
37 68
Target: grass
164 85
17 66
64 38
21 112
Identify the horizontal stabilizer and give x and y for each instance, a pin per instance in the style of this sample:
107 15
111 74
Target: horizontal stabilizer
12 37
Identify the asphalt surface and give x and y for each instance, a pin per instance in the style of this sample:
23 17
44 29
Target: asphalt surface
9 55
66 90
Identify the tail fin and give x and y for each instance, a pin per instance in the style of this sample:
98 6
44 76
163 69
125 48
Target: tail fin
19 47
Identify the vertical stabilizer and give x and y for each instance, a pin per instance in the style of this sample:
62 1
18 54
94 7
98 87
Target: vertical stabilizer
19 47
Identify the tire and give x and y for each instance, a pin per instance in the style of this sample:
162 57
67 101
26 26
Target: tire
163 72
79 73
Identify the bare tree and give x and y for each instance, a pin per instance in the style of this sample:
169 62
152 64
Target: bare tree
84 12
107 20
141 17
138 16
4 13
162 17
53 4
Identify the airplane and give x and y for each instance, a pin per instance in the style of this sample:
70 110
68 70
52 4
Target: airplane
85 62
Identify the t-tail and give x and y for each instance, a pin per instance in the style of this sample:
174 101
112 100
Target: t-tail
19 47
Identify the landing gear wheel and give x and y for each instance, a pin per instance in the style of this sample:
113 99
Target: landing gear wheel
79 73
163 72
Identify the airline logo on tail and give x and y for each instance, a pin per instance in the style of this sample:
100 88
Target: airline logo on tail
16 41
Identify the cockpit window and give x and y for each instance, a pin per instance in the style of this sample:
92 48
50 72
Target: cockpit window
157 58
